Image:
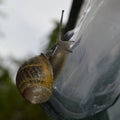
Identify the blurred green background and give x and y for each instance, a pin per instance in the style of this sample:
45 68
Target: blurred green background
12 105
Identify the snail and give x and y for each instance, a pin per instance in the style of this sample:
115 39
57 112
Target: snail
35 77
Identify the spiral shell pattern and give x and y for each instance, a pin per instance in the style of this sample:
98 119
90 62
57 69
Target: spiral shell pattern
34 79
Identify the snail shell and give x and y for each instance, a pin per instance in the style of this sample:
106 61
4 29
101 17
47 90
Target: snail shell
34 79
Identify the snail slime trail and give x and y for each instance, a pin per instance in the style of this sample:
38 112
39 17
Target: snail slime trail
35 77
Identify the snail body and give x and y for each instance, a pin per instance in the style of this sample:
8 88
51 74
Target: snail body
58 56
35 77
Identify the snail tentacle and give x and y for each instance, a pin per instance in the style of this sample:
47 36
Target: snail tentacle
35 77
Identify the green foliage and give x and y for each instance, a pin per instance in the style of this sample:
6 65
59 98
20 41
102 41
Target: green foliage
12 105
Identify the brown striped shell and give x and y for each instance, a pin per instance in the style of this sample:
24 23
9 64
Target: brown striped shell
34 79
